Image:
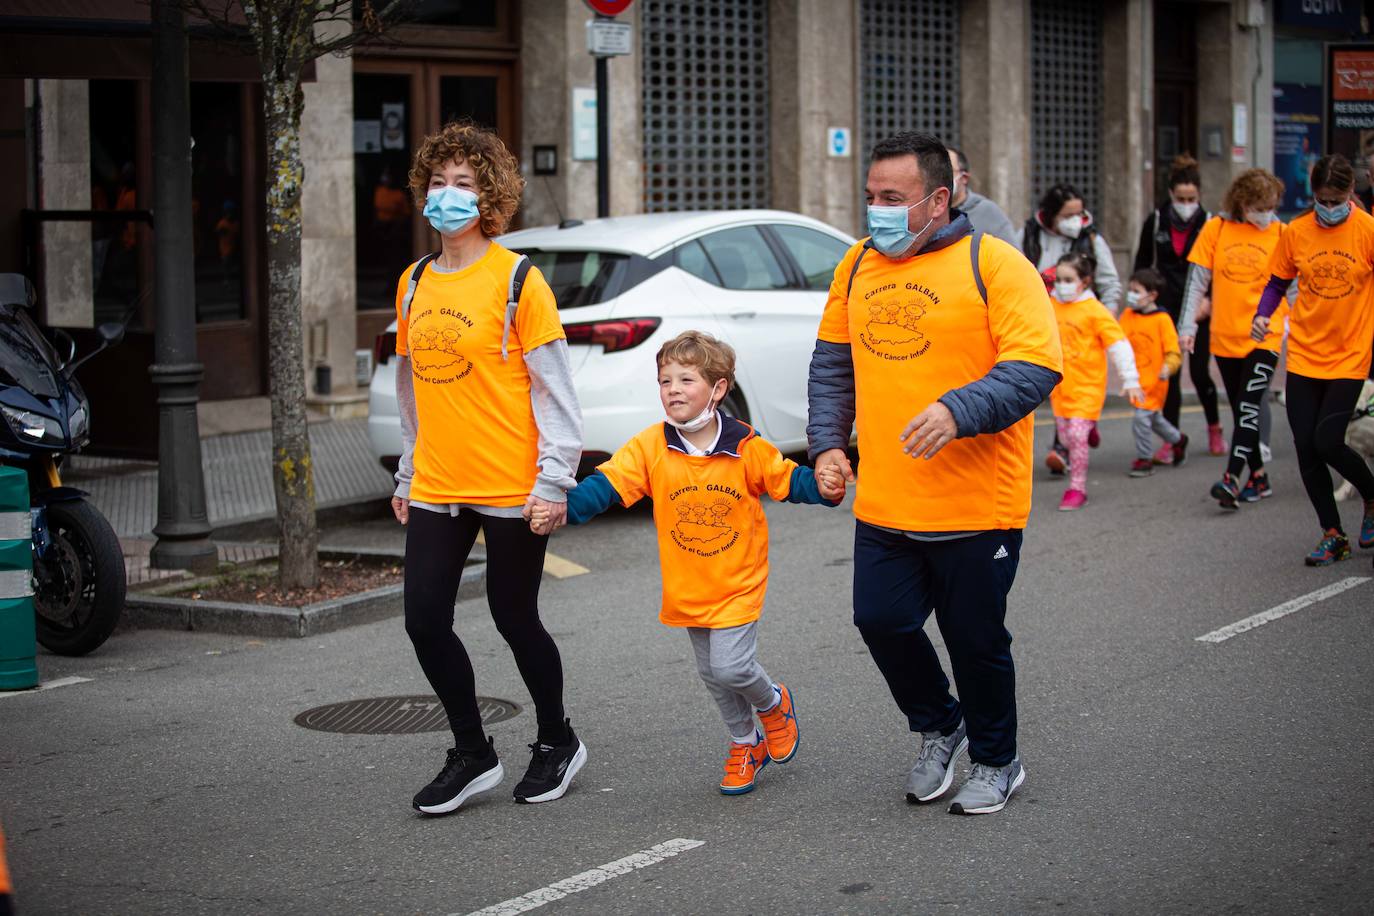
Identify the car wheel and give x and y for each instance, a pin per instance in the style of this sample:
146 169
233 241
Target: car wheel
734 405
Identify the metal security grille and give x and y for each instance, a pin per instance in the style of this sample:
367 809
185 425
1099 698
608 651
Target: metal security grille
909 64
1066 96
705 81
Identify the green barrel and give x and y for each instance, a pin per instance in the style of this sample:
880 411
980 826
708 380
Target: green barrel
18 645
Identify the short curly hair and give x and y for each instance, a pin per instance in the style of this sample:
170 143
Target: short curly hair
713 358
499 182
1252 188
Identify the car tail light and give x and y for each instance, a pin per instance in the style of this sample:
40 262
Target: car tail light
620 334
384 348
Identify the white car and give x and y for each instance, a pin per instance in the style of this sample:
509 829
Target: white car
756 279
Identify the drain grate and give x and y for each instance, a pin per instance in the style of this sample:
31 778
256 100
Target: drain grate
396 715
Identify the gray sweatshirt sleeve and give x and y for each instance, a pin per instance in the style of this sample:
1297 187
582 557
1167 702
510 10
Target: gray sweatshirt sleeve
558 417
1199 281
1108 283
830 398
405 407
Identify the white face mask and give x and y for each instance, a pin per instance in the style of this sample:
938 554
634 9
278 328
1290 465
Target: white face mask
700 421
1134 299
1070 226
1065 292
1185 211
1261 219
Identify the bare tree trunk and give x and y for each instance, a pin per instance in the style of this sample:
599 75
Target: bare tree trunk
293 475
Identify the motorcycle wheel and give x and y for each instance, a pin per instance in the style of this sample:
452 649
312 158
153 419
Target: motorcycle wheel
79 588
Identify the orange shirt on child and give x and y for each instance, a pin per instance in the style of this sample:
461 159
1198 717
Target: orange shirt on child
477 441
1086 330
1152 336
1331 326
712 533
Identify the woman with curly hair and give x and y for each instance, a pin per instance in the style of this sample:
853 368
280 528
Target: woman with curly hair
1330 252
1230 257
491 429
1166 239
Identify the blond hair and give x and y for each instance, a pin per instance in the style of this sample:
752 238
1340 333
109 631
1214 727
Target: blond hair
713 358
499 182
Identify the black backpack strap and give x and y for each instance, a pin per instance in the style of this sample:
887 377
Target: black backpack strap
975 245
1030 241
415 275
517 284
855 269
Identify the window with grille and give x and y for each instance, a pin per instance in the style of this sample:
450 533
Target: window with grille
705 70
909 69
1066 96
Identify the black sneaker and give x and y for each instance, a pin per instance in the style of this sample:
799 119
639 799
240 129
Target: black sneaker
1180 449
552 768
463 776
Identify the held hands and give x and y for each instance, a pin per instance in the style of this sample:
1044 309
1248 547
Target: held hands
1259 328
1186 342
400 507
929 431
830 480
545 517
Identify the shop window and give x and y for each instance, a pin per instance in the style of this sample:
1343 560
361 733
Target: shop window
382 200
1066 96
217 200
114 186
910 62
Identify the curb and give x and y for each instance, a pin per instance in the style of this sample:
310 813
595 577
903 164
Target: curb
154 612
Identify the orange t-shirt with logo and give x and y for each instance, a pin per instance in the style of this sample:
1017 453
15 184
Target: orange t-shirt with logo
712 533
1238 255
1331 326
1151 337
917 329
1086 330
477 441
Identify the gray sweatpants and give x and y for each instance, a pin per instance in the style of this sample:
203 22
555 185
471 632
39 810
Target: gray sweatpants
727 661
1152 421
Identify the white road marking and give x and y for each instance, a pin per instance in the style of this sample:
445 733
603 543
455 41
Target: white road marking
1283 610
589 879
46 685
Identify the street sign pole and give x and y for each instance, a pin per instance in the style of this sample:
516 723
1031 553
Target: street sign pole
603 139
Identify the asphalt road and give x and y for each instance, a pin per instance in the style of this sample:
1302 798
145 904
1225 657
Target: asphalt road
1165 774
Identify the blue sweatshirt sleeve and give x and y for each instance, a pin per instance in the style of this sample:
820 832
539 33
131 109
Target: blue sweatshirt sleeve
1008 392
804 489
590 498
830 398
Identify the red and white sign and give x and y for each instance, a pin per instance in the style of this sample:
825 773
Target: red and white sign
609 7
1352 75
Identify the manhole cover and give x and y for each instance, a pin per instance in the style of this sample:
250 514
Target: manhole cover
396 715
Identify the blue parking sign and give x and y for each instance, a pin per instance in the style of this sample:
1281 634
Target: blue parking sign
837 142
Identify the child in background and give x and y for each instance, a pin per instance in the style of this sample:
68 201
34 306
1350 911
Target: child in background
1155 343
1090 335
705 472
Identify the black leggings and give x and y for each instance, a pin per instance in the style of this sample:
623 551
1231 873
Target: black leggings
1319 411
1247 382
1200 371
437 546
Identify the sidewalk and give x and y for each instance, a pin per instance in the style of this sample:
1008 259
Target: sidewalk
238 487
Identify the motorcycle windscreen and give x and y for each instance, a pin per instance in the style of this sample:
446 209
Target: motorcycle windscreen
26 356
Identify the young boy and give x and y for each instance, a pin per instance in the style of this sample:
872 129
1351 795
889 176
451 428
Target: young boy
1155 342
705 472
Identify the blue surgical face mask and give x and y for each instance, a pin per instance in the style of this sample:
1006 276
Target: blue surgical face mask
887 226
1332 216
450 210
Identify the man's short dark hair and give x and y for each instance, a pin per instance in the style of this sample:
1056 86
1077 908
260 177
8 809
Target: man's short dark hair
932 158
960 157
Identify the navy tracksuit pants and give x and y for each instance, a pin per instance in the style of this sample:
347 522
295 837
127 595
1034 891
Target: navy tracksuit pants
898 581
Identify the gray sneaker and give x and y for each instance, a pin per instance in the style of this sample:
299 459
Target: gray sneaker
988 788
934 770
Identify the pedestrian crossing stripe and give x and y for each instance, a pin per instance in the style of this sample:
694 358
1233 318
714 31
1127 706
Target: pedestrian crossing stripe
554 565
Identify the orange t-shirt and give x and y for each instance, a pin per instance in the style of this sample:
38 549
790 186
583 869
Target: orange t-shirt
390 204
1151 337
712 533
1238 255
1331 327
917 329
477 441
1086 330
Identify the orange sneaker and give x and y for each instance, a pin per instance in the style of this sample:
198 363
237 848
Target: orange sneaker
780 731
742 766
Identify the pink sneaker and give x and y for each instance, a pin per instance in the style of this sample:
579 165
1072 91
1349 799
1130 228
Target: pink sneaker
1215 443
1165 455
1073 499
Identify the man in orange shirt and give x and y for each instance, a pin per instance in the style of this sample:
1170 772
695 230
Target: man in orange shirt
932 319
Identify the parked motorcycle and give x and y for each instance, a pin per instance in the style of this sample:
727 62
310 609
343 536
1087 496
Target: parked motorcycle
78 565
